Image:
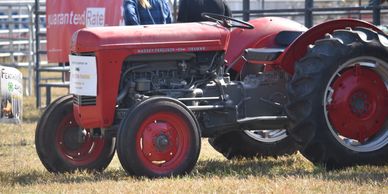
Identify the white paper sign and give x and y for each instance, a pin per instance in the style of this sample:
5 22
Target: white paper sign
11 97
83 75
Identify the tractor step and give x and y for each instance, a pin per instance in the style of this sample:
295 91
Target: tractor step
262 54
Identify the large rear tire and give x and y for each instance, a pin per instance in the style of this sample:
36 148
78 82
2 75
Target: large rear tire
254 143
338 100
63 146
159 137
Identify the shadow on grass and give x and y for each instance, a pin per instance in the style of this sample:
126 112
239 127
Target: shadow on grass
266 168
244 168
287 167
35 177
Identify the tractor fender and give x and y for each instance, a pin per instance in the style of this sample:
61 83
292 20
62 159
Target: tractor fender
299 47
262 36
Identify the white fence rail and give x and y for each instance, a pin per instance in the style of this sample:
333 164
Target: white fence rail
17 38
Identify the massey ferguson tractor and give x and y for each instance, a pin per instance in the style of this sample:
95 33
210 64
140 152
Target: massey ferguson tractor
266 87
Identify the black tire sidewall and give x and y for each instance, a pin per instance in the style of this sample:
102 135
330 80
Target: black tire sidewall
238 144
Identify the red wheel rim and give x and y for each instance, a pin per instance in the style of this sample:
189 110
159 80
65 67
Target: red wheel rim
77 149
358 109
163 142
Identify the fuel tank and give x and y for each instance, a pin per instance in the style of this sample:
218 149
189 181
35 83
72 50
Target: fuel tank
262 36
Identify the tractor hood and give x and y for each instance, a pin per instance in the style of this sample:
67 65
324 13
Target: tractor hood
184 37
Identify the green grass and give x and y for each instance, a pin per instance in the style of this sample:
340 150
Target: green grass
22 172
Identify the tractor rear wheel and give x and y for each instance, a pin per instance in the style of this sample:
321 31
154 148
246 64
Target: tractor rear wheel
254 143
339 99
159 137
63 146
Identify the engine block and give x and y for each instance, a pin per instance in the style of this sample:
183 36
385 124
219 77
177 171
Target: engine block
172 75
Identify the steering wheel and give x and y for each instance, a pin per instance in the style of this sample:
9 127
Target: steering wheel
227 21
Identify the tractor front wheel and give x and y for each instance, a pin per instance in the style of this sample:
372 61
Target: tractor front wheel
159 137
339 99
63 146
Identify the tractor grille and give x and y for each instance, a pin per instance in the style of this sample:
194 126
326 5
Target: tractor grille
84 100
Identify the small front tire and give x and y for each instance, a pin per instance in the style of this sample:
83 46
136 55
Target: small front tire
63 146
159 137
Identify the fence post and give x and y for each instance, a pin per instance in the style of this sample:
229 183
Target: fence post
376 12
308 13
246 8
37 59
11 27
175 10
30 49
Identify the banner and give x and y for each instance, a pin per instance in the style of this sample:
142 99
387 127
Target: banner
11 97
63 18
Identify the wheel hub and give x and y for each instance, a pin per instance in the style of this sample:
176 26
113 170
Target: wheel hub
159 141
360 104
74 138
357 108
74 143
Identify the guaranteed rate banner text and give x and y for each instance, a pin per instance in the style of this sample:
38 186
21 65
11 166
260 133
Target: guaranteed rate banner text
63 18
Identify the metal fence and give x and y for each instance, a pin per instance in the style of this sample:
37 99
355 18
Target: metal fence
16 38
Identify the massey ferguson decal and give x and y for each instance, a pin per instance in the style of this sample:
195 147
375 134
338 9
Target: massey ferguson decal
65 17
170 50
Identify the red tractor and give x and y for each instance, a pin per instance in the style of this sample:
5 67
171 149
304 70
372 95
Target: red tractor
263 88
